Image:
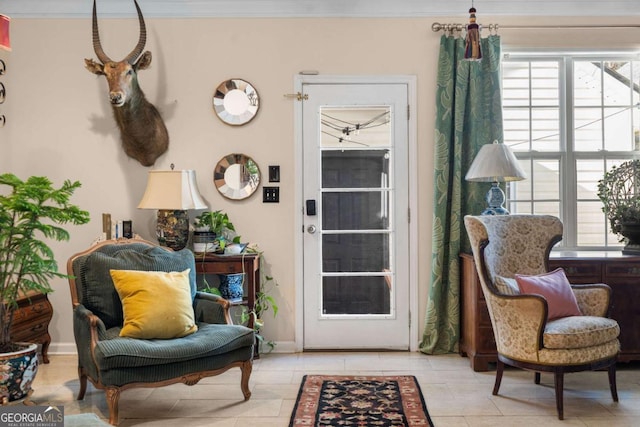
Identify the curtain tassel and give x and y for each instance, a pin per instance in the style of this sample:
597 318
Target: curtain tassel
472 50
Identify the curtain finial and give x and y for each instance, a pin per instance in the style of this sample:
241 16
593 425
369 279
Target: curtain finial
472 50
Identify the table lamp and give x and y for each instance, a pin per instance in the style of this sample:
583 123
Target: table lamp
495 163
172 193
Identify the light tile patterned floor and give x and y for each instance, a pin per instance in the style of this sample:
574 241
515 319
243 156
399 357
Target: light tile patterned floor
455 395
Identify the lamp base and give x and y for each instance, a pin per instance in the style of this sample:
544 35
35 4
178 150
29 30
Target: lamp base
172 228
495 199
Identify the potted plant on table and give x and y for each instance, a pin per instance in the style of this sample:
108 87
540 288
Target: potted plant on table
30 212
213 230
231 285
619 191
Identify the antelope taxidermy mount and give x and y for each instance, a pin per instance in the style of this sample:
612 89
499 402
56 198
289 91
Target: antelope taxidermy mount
142 130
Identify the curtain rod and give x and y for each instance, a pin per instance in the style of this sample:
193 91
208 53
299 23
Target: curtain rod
436 26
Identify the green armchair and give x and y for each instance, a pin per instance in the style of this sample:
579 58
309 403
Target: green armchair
115 363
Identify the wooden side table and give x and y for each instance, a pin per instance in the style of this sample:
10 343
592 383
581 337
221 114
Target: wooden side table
31 321
207 263
476 333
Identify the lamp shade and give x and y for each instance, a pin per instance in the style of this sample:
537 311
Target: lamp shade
172 190
495 163
5 41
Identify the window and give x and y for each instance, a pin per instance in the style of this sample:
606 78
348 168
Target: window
569 118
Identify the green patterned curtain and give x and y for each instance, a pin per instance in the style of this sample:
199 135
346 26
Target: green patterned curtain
469 115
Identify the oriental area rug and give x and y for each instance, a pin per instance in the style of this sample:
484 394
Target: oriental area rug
359 401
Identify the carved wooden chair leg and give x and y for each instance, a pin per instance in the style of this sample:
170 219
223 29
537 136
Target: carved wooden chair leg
559 383
499 372
246 369
82 377
45 349
612 382
536 378
113 396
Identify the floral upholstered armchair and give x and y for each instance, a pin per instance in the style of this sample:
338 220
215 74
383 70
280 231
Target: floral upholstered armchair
139 321
540 322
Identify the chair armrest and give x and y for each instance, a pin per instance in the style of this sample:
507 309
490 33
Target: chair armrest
518 324
594 299
88 329
209 308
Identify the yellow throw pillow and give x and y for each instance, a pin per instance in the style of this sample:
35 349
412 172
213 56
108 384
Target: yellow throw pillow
155 304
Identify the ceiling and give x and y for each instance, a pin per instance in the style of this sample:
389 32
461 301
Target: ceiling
317 8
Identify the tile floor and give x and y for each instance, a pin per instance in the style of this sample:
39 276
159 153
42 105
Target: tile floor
455 395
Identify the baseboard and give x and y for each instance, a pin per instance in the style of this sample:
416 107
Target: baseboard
63 348
284 347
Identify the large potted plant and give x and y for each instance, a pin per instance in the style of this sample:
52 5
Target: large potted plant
31 212
619 191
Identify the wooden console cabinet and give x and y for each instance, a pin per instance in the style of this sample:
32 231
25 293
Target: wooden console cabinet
620 272
31 321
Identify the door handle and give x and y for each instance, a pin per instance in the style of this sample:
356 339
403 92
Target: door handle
311 229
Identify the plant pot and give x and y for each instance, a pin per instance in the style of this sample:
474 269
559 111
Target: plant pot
231 286
631 231
17 372
204 241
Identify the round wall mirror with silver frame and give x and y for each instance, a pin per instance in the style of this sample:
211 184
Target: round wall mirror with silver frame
236 176
236 102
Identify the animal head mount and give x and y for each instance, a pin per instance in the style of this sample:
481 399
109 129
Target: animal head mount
142 131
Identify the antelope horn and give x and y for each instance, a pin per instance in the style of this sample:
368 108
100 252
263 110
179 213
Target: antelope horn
143 38
97 47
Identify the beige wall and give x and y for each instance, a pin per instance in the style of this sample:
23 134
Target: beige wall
59 122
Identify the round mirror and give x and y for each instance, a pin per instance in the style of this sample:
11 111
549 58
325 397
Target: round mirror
236 176
236 102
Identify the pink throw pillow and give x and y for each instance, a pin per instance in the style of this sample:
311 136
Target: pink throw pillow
555 288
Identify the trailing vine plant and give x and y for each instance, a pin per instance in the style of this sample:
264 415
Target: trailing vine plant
264 301
219 223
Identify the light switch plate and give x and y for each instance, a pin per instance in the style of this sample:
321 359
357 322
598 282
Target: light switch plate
274 173
270 194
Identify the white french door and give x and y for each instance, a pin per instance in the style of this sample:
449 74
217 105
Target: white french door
355 220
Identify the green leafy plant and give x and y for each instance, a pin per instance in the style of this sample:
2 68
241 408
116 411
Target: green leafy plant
30 212
210 289
264 301
217 222
619 191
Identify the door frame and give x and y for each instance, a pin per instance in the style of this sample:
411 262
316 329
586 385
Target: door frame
411 82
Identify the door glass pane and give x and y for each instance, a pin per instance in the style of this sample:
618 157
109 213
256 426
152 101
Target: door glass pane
356 295
355 252
357 210
355 199
359 168
353 127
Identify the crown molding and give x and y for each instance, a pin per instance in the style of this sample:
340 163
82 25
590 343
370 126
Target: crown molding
316 8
